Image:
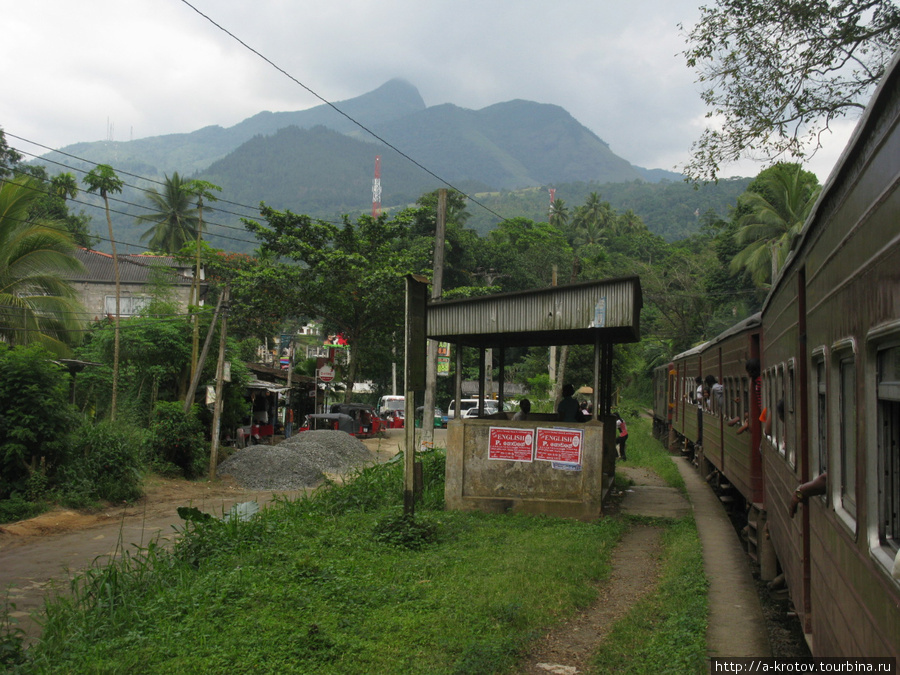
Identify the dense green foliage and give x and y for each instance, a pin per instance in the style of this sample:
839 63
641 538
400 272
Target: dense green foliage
37 303
105 462
176 439
35 417
778 73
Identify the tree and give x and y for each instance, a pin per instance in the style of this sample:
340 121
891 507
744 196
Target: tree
103 179
199 190
37 303
779 72
175 220
776 206
351 275
592 220
8 157
559 214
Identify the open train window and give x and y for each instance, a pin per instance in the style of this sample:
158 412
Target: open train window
790 418
775 412
820 415
845 366
888 438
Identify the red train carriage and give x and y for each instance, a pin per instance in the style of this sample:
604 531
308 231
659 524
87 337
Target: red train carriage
686 417
832 364
828 344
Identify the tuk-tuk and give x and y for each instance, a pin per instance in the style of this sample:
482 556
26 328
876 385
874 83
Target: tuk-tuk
330 421
368 423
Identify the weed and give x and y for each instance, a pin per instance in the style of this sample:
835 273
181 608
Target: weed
406 531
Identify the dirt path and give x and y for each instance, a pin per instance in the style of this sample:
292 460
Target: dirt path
43 553
567 649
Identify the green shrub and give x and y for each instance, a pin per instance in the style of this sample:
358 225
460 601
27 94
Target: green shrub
176 438
106 462
15 508
35 415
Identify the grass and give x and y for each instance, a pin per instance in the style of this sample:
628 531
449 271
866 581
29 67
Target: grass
342 582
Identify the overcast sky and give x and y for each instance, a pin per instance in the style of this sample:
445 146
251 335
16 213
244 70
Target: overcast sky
84 71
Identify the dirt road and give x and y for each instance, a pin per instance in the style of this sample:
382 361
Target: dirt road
43 553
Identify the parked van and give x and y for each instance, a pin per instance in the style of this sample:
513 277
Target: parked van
490 407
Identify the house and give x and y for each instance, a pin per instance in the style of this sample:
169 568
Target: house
138 277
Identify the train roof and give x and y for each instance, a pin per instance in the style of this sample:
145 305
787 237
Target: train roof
845 171
693 351
749 323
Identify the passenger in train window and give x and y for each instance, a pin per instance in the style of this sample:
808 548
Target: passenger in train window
801 495
698 392
716 394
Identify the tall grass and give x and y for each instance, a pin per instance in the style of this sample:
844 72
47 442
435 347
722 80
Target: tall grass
317 586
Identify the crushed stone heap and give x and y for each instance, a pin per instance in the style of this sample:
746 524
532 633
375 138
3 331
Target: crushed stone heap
296 462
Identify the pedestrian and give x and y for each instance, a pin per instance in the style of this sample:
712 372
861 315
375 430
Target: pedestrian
568 410
524 409
622 438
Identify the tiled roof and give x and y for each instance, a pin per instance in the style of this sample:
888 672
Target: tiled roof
98 267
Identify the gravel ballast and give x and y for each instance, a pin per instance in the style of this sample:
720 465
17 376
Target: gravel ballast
300 461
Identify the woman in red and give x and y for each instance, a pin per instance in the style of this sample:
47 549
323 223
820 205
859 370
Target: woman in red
622 437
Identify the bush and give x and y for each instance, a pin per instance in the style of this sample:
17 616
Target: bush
35 415
176 438
106 462
15 508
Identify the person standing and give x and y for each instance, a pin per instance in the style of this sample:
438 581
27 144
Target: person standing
568 410
621 438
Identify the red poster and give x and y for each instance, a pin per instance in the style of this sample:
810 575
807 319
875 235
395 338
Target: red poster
559 445
516 445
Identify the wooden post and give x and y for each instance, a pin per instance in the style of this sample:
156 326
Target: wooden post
195 378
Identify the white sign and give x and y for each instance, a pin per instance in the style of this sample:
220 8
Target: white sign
326 373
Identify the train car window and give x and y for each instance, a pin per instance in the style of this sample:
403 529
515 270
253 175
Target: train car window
820 423
889 448
790 420
777 420
847 433
745 398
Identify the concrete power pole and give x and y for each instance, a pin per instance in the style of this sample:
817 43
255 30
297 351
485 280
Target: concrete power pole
436 290
217 406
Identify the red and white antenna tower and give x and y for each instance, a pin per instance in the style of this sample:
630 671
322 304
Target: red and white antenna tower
376 188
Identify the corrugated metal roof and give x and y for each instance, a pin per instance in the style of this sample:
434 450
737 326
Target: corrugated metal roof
575 314
98 267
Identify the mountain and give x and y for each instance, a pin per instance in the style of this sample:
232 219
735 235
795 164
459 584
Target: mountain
188 153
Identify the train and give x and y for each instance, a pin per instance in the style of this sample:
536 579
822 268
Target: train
809 389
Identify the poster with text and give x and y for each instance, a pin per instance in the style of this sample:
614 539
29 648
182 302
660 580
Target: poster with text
514 445
559 445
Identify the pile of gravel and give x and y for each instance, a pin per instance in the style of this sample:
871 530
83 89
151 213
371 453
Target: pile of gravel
296 462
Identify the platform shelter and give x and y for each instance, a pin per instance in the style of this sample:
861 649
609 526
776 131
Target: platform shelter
539 465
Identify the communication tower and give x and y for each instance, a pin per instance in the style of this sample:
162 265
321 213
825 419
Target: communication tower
376 188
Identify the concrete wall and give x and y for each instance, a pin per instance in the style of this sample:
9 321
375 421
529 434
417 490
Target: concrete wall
474 482
93 295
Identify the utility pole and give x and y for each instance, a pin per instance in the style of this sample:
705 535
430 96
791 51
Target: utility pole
437 283
217 406
195 378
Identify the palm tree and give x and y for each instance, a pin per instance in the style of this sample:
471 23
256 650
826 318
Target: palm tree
37 304
776 211
103 179
199 190
591 220
64 185
559 214
175 220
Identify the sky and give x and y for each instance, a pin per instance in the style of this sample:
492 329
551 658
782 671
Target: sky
128 69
